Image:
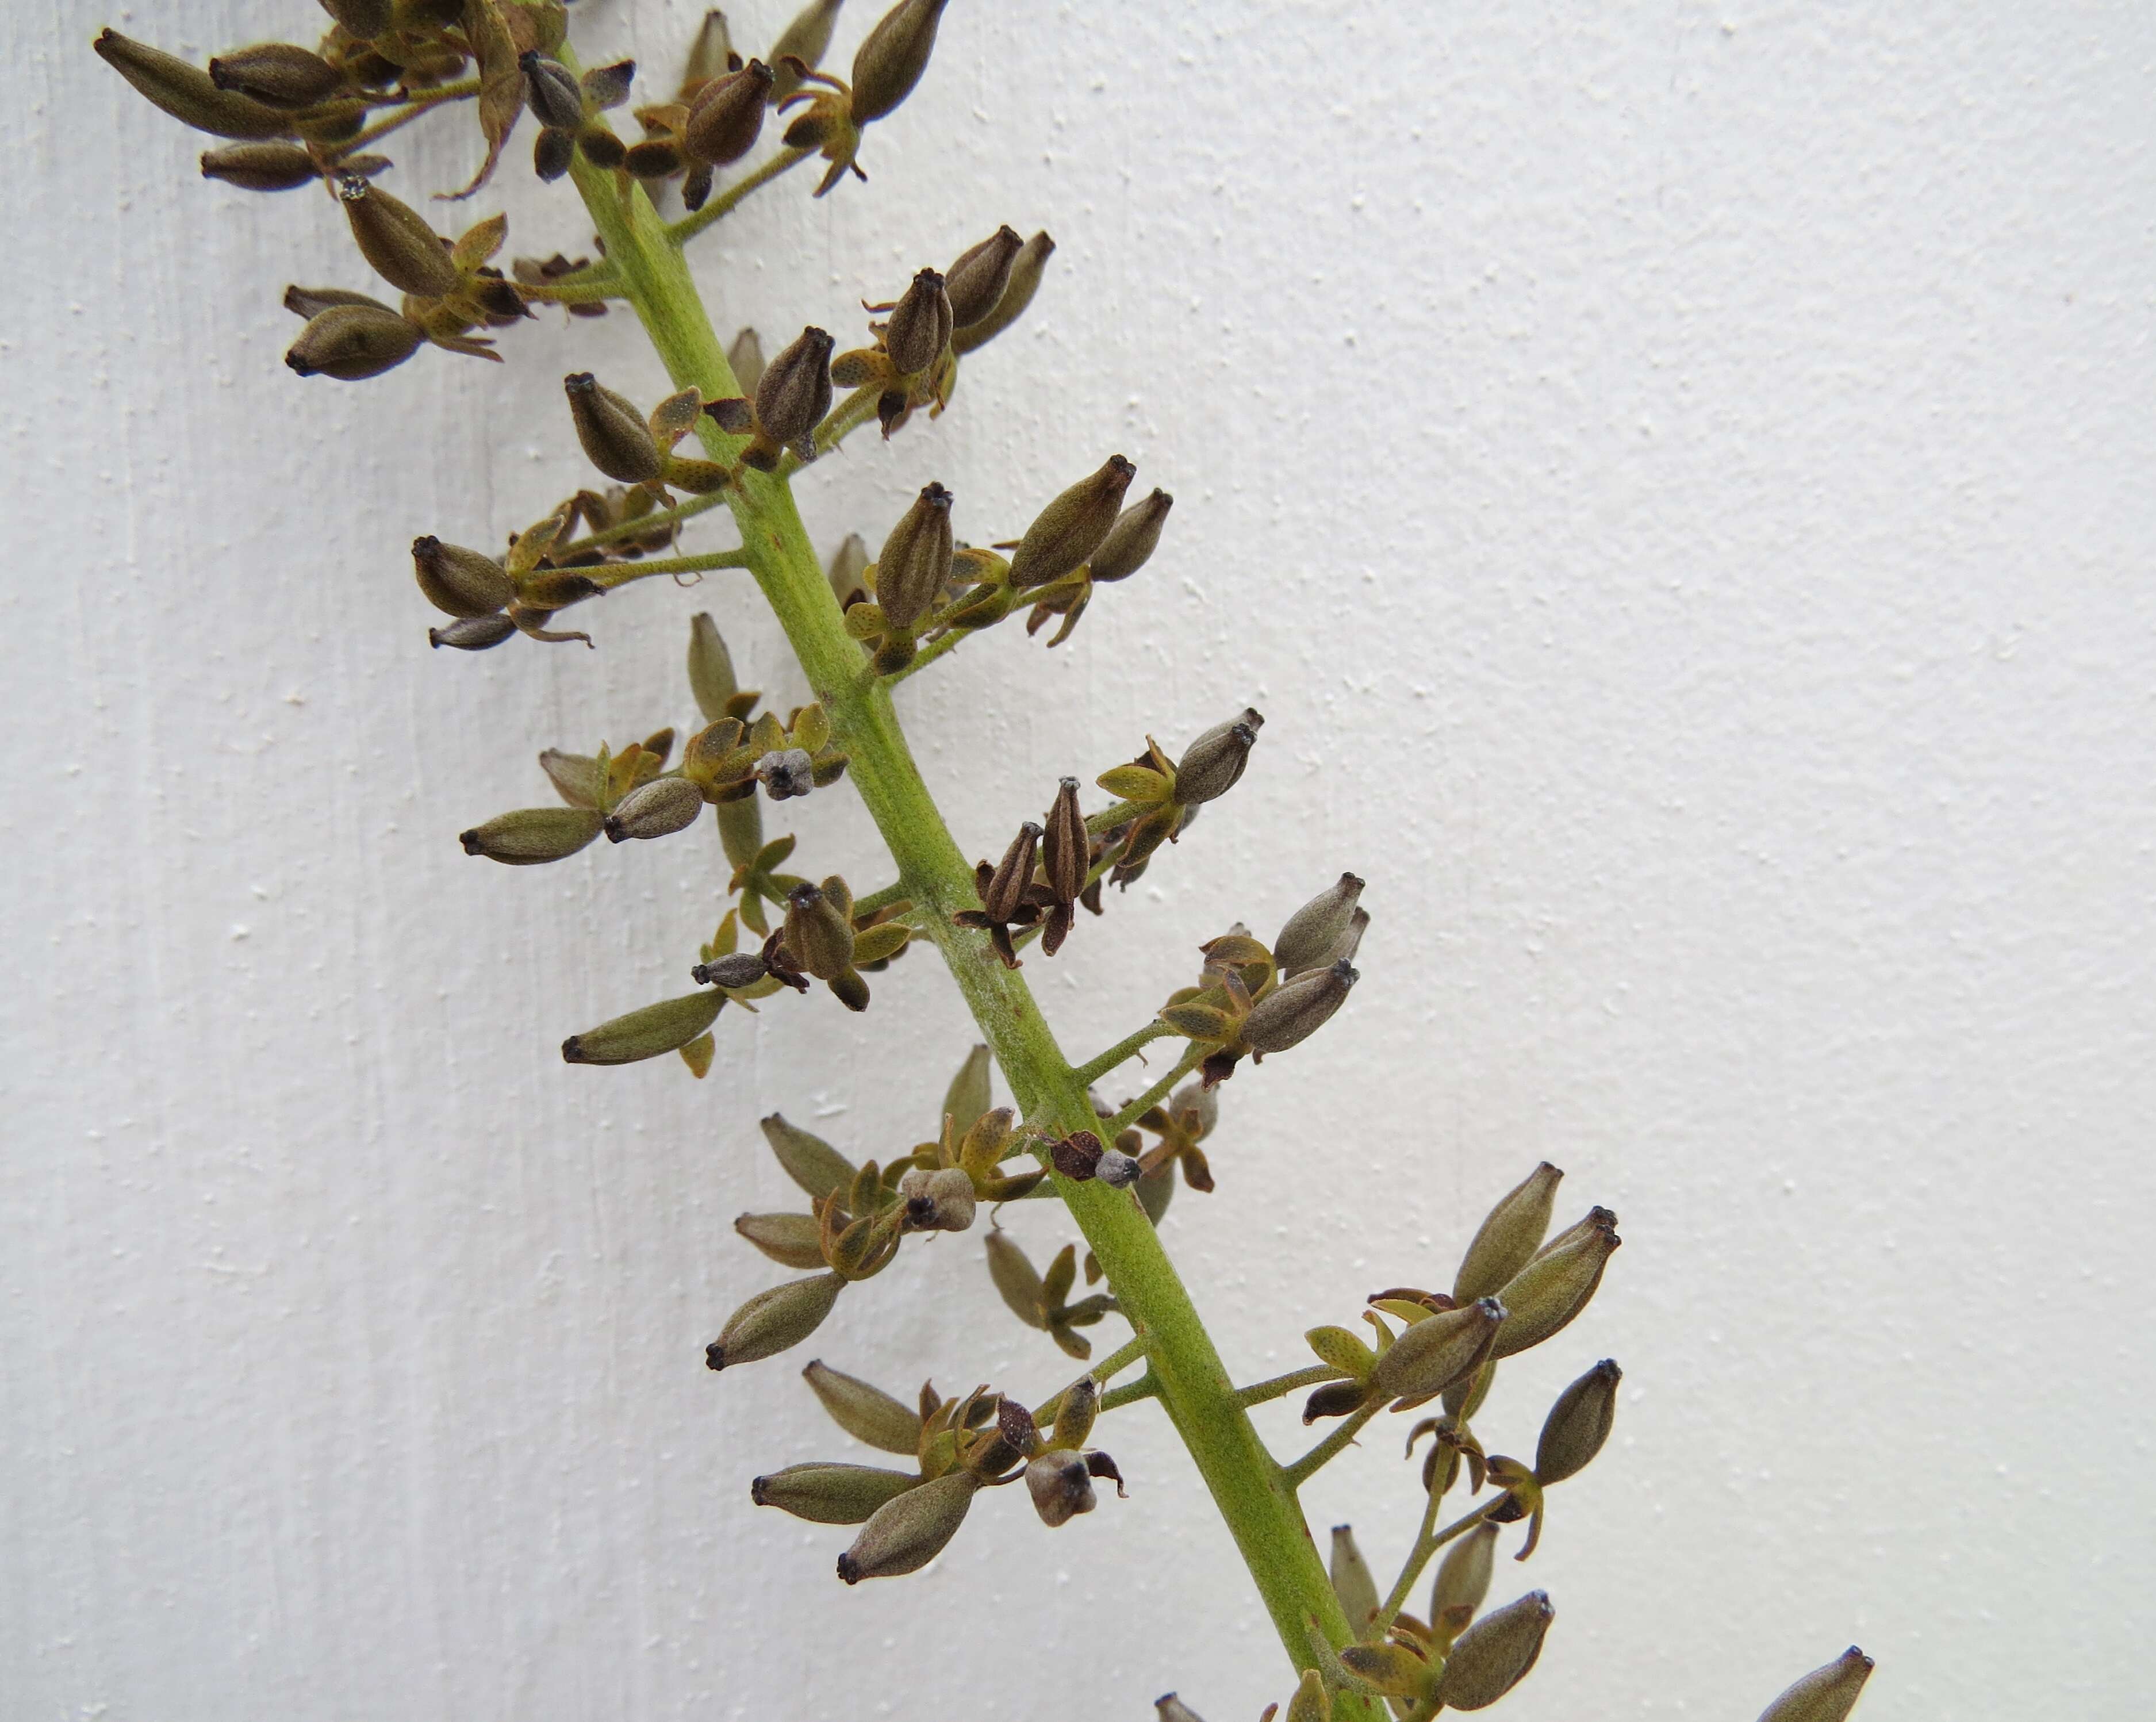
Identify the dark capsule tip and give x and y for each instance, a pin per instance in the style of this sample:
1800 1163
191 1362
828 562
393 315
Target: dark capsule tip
701 974
1118 464
616 832
573 1052
849 1569
755 1490
935 495
715 1353
579 383
298 363
435 639
1345 973
471 839
807 895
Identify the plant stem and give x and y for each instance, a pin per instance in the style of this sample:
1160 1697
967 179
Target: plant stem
1108 818
1311 1462
1101 1064
1121 1358
620 574
882 899
927 655
1279 1386
1253 1498
1153 1096
644 523
1147 1386
724 204
1426 1546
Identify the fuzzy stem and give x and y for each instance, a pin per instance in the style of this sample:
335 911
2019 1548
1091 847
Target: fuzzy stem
1329 1449
1279 1386
620 574
1248 1486
1427 1544
728 200
1153 1096
1102 1063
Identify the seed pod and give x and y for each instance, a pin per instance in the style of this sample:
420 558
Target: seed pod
1076 1411
1310 1702
266 166
976 281
1544 1296
312 301
790 1240
807 39
1071 527
473 633
1212 765
1577 1424
828 1493
396 240
1494 1655
614 436
968 1096
186 92
808 1160
940 1200
818 934
279 74
1118 1170
892 57
457 581
552 92
794 392
1463 1576
1015 1278
741 969
1297 1011
787 774
914 564
866 1413
658 809
653 158
1312 930
1173 1708
363 20
745 359
779 1317
1006 887
534 835
1017 293
907 1534
656 1029
601 148
1826 1694
1334 1399
551 154
1507 1240
1132 541
711 54
1436 1351
353 342
711 667
1065 846
1196 1108
1352 1582
920 325
1061 1486
1351 940
728 114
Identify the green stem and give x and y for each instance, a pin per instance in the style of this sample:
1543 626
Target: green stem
1427 1544
882 899
593 292
645 523
1279 1386
1108 818
1337 1442
724 204
1153 1096
1102 1063
1147 1386
620 574
1109 1367
927 655
1253 1496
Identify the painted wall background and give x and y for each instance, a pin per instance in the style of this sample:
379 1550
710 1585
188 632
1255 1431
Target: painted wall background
1678 481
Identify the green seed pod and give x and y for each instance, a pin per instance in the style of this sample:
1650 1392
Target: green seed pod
552 92
353 342
473 633
396 240
1463 1576
741 830
1544 1296
794 392
1080 1406
1494 1655
265 166
614 436
1311 1703
656 1029
940 1200
1352 1582
1351 940
1071 527
1577 1424
914 564
1061 1486
1212 765
1173 1708
818 933
866 1413
779 1317
907 1534
456 581
1294 1012
279 74
363 20
1507 1240
728 114
1017 293
920 325
1015 1278
533 835
807 39
892 57
745 358
790 1240
658 809
1436 1351
551 589
808 1160
186 92
711 667
1312 930
1826 1694
1132 541
976 281
827 1493
312 301
968 1096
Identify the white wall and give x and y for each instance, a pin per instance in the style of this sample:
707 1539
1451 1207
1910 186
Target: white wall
1678 483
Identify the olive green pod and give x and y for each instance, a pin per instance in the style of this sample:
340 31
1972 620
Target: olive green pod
279 74
741 830
1016 1278
396 240
810 1161
472 633
268 166
456 581
790 1240
1032 262
1352 1581
711 667
794 392
552 92
914 564
1293 1013
186 91
1132 541
905 1534
920 325
892 57
818 932
829 1493
363 20
1311 1703
1075 1412
976 281
1436 1351
614 436
1577 1424
1494 1655
775 1318
533 835
353 342
968 1096
1544 1296
663 1027
658 809
745 359
1509 1235
1212 765
1826 1694
1463 1576
865 1412
1072 527
807 39
1312 930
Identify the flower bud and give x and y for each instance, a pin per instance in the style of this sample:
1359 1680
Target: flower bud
781 1316
1026 271
866 1413
1213 764
396 240
976 281
353 342
1436 1351
1544 1297
663 1027
891 58
186 91
1826 1694
1312 930
1352 1582
457 581
473 633
907 1534
279 74
818 933
790 1240
1494 1655
787 774
1297 1011
828 1494
266 166
1509 1237
940 1200
1071 527
1463 1576
1577 1424
533 834
711 667
658 809
1132 541
914 564
794 392
920 325
552 92
614 436
728 114
742 969
363 20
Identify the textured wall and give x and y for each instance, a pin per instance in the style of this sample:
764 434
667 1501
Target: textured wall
1678 484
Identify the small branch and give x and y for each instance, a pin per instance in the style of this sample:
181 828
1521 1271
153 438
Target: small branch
1279 1386
404 115
1308 1466
724 204
1427 1545
593 291
620 574
1101 1064
1108 818
883 899
1121 1358
926 656
1147 1386
1153 1096
644 524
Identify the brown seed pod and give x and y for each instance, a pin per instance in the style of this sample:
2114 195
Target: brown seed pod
396 239
728 114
